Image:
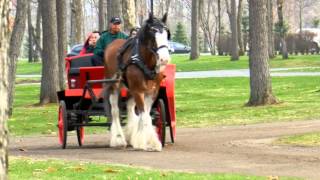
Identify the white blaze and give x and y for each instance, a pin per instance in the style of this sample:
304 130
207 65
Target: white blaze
162 40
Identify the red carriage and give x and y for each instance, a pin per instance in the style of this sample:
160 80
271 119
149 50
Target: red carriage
82 100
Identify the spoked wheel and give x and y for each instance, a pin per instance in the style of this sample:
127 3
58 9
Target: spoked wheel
63 124
161 121
80 135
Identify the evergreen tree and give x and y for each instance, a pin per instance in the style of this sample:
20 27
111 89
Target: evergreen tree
180 34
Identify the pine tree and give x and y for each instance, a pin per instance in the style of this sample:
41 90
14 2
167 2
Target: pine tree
180 34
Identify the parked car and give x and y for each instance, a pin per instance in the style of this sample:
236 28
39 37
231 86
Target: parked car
75 50
176 47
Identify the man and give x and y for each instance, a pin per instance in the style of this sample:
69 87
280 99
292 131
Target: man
106 38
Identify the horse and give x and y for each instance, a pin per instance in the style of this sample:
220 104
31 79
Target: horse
139 65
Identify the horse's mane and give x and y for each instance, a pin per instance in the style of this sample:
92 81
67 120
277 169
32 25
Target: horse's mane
143 33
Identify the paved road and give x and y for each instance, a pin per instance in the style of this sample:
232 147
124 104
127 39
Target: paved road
224 73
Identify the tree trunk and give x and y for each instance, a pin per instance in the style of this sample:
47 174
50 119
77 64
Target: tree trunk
14 48
102 20
49 80
76 35
195 30
78 21
30 31
37 37
234 32
4 66
114 8
260 80
284 51
62 40
129 14
239 22
220 52
271 50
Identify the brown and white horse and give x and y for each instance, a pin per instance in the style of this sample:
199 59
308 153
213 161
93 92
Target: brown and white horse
139 64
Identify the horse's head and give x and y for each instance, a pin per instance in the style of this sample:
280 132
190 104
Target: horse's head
156 35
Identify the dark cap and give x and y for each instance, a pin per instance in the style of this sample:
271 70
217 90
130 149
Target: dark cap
115 20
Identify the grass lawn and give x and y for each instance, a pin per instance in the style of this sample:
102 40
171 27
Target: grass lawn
23 168
310 139
199 102
24 67
206 62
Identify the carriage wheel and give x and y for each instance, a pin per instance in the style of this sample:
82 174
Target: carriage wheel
80 135
161 121
63 124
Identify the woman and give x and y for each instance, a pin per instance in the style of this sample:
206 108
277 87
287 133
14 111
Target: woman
90 43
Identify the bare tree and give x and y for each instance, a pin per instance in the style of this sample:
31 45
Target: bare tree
129 14
114 8
37 35
61 8
239 22
260 80
49 80
30 37
220 52
208 24
195 30
270 29
102 19
4 66
76 35
282 29
14 48
232 13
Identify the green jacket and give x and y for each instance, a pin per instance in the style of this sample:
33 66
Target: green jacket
105 39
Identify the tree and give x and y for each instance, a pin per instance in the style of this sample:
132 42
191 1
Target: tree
49 80
114 8
14 48
282 29
129 14
260 81
76 35
208 24
30 37
102 19
232 13
195 30
239 23
180 34
4 41
220 52
61 8
270 29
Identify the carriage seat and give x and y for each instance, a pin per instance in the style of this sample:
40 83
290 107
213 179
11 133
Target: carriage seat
77 63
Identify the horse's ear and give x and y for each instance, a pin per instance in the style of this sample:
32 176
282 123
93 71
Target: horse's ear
150 20
164 18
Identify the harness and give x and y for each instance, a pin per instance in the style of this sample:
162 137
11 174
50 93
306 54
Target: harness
136 59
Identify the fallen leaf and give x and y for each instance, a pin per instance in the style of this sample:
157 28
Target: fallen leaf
111 171
21 149
78 168
51 170
138 173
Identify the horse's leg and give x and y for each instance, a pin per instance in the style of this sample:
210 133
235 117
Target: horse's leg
117 137
133 119
145 138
